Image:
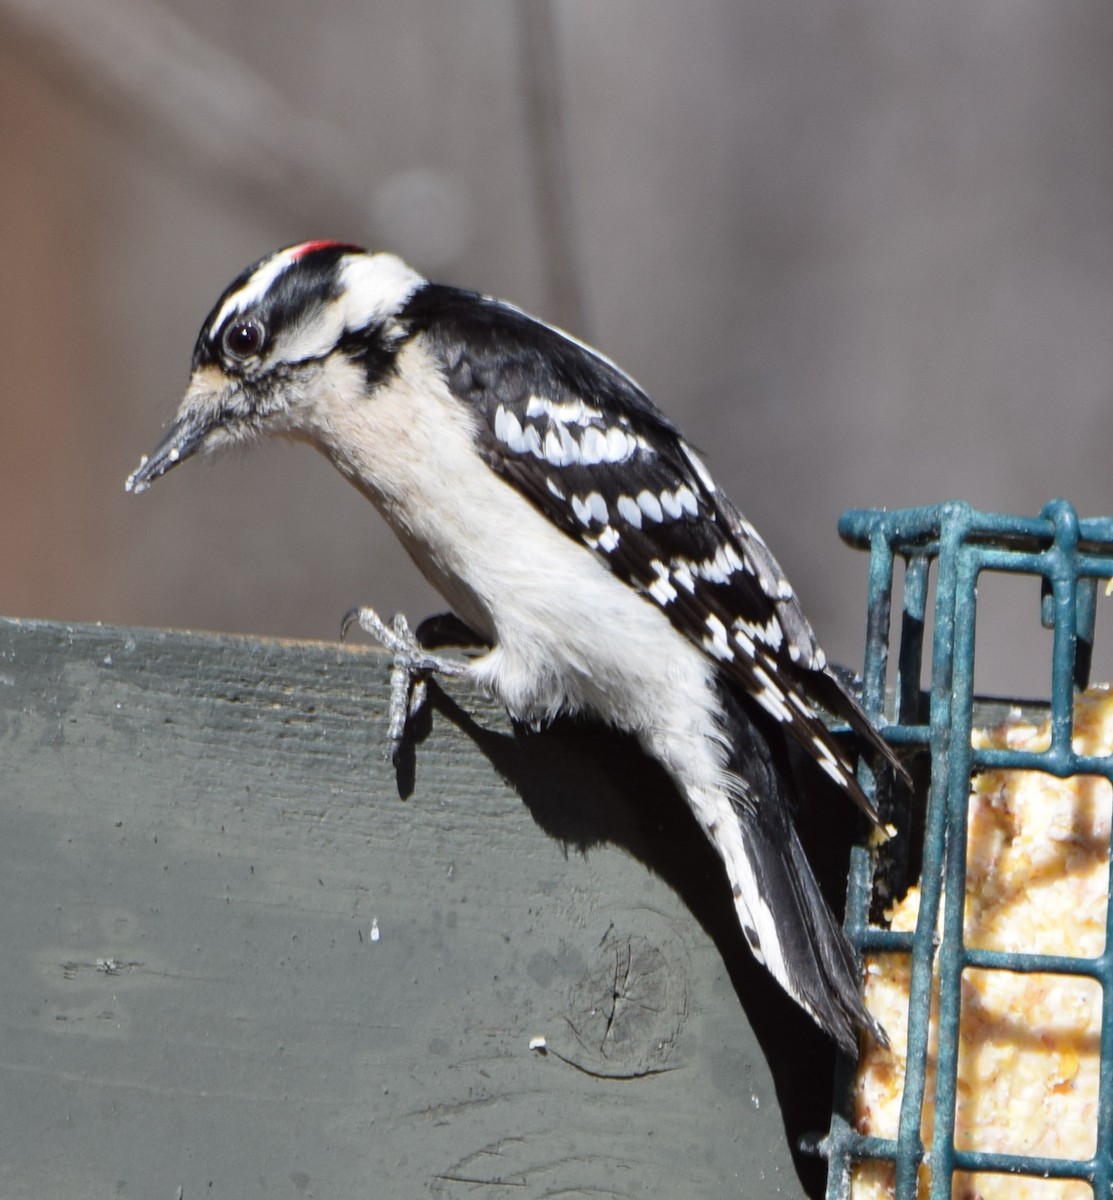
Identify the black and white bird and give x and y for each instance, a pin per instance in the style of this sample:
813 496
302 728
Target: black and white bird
575 531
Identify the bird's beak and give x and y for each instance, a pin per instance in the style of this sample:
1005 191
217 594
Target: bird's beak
202 412
184 438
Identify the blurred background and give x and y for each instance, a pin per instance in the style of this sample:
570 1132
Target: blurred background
861 252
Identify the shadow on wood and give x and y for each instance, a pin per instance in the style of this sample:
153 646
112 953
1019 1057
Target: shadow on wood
587 785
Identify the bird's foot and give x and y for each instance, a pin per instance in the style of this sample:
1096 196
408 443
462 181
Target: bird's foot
413 667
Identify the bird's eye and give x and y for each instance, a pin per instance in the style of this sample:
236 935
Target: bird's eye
243 339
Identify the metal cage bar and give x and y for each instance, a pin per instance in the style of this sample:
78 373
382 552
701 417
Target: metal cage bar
1069 555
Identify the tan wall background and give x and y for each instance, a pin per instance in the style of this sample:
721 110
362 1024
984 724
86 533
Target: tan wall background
862 252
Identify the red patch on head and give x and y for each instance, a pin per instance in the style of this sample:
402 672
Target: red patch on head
322 244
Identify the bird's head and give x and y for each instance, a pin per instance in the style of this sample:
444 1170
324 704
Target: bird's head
292 326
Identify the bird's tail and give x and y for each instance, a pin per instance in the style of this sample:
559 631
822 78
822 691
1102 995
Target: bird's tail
786 919
797 937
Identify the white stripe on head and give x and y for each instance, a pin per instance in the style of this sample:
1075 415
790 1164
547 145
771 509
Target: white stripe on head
258 285
376 286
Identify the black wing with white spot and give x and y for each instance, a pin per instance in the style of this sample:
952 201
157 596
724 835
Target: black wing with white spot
588 447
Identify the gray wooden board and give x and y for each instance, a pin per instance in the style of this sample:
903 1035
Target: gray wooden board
238 963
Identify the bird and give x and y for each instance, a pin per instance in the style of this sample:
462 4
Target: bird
592 564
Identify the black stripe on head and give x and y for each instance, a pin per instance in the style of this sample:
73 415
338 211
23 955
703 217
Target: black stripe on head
309 278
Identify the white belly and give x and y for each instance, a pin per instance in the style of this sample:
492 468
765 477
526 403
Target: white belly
567 634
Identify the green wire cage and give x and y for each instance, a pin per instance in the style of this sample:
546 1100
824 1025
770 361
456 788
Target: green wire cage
1070 557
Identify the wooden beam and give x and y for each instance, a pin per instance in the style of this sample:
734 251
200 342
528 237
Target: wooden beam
239 963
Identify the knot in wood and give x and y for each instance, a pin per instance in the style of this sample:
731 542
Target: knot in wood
627 1010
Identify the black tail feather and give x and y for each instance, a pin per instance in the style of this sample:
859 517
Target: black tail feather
812 959
821 970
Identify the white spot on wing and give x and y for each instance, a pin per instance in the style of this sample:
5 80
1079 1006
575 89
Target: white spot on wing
650 505
770 634
573 412
721 568
661 589
682 574
591 507
553 450
837 770
629 511
717 641
620 446
770 695
671 505
531 440
708 569
743 639
511 433
593 446
608 539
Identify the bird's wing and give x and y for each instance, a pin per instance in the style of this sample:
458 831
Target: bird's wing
585 444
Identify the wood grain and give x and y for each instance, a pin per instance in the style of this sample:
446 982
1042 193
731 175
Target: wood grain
239 963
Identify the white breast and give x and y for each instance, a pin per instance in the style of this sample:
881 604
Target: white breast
567 634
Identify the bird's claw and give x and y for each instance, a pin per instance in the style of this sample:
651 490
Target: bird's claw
412 669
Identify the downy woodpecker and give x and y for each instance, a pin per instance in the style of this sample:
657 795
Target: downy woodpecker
575 531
